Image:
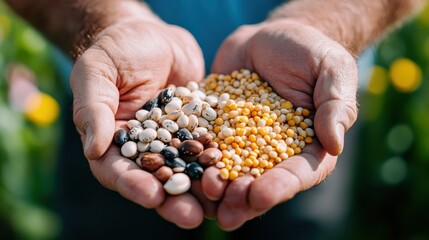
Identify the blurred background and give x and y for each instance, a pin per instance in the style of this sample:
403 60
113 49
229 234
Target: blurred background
389 193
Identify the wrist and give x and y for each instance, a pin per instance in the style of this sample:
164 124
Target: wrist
98 15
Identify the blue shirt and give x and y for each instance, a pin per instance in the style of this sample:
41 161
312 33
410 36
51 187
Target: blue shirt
211 21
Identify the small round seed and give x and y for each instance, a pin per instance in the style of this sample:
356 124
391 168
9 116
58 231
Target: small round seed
129 149
177 184
174 105
165 96
183 121
193 107
194 170
170 125
150 124
174 115
156 146
148 135
175 142
182 92
205 139
155 114
192 85
209 114
177 164
163 173
184 134
133 122
143 147
193 122
142 115
210 156
190 148
170 153
164 135
150 161
121 136
151 104
135 132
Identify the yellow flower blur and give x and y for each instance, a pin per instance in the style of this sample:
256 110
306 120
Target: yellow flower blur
406 75
378 81
42 109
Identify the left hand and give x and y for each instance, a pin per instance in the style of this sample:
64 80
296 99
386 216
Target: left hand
311 70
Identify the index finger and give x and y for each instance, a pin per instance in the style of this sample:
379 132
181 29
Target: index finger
286 179
124 176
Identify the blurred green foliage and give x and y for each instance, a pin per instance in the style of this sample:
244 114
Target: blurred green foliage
390 196
27 151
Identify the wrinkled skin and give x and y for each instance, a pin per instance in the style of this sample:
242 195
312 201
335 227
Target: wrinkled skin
125 66
309 69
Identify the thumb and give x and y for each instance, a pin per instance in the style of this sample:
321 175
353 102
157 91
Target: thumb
95 102
335 100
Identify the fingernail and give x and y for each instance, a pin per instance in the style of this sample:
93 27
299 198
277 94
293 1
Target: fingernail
88 139
339 132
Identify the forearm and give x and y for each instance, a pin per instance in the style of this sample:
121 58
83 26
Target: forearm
354 24
72 25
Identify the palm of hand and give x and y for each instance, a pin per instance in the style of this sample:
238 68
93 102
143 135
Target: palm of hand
126 66
312 71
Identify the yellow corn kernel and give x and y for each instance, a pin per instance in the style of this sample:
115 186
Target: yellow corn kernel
219 121
238 151
290 133
245 111
255 163
226 154
234 145
252 138
286 105
224 174
297 150
248 162
308 140
229 140
267 138
255 76
223 146
254 146
290 152
216 129
228 167
303 125
305 112
240 131
233 174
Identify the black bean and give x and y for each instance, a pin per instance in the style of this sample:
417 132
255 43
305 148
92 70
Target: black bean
121 136
165 96
177 164
149 105
194 170
170 153
184 134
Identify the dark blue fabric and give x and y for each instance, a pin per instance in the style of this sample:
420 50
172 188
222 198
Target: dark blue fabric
211 21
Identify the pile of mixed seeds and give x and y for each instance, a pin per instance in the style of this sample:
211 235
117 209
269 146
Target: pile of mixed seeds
235 122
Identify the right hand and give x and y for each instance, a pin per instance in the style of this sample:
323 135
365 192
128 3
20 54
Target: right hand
125 66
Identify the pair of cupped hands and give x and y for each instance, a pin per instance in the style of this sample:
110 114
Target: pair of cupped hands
129 61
